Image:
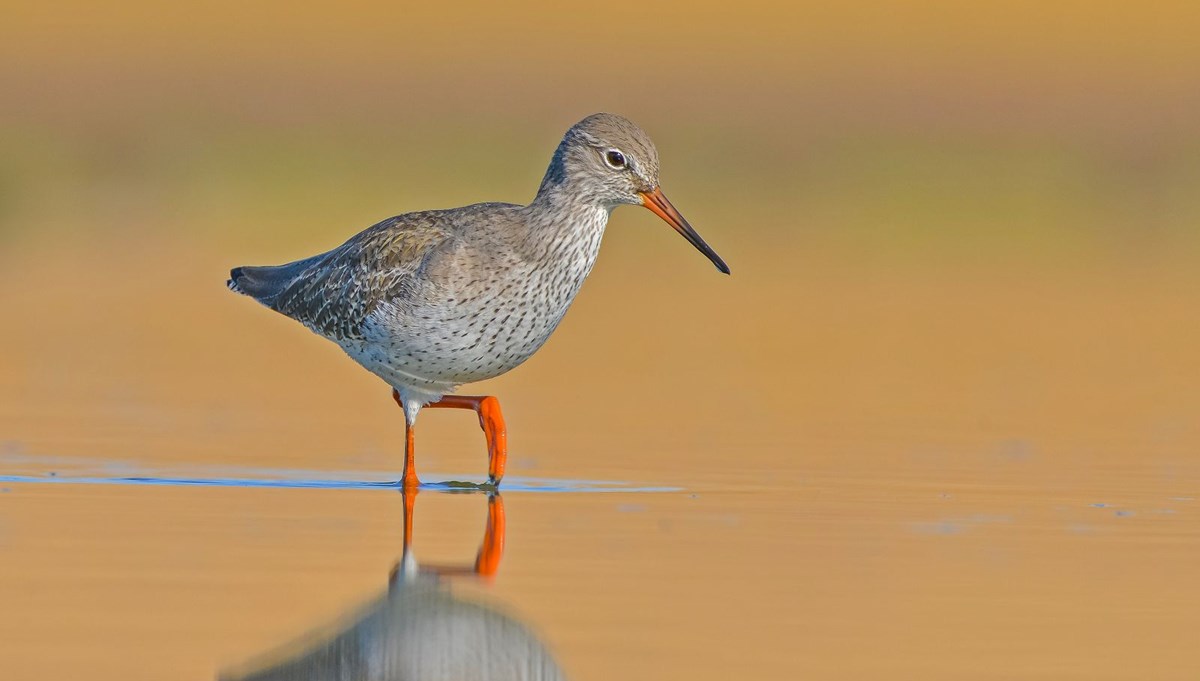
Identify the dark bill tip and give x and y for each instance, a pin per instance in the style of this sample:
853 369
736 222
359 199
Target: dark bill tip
658 204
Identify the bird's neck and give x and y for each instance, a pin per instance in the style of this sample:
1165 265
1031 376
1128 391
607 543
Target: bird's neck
561 222
561 209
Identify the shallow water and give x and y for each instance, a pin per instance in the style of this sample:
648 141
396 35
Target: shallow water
835 578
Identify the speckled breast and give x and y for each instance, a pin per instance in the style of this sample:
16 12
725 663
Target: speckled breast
486 326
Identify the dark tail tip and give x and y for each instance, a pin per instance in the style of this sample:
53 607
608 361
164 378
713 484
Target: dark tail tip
234 276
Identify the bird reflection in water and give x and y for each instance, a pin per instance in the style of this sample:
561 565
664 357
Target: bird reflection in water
419 630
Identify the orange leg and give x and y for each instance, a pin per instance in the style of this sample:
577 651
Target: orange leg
410 480
492 423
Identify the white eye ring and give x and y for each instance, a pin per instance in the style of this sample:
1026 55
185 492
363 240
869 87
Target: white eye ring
615 159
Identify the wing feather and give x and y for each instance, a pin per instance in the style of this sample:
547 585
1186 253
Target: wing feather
334 293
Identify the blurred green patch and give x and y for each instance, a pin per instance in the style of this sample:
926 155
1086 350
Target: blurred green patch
871 195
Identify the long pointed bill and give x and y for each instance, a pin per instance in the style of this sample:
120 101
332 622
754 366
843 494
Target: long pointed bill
656 202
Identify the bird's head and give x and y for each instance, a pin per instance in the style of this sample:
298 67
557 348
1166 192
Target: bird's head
606 160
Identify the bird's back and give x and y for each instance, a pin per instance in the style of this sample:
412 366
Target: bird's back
334 293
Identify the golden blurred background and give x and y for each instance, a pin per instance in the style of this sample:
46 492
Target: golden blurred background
963 239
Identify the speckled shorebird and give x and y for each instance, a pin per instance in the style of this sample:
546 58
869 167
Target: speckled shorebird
430 300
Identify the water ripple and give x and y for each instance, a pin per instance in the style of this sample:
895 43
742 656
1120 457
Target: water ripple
124 473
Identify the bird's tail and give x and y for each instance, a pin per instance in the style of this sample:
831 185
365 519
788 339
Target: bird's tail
235 276
261 283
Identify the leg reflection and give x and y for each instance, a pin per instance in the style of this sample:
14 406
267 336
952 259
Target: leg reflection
487 560
418 628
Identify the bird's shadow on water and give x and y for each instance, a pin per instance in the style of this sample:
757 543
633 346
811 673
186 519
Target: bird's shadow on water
78 471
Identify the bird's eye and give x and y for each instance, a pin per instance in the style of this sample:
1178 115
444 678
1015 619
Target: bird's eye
614 158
